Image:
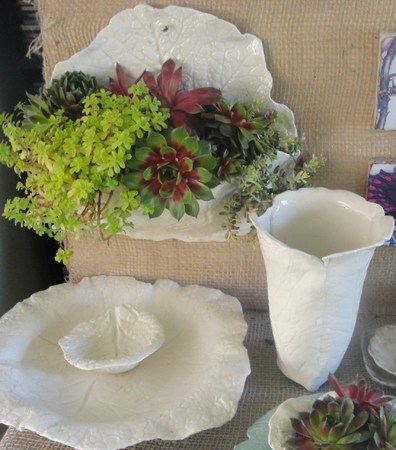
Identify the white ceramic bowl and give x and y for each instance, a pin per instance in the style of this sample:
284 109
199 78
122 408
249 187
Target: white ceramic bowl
114 342
280 428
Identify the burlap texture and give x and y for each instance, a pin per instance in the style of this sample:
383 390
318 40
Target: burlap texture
265 388
323 56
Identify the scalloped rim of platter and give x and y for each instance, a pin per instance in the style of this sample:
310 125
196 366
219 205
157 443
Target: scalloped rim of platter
114 342
196 377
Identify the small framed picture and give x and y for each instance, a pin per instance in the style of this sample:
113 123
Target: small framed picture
386 89
381 189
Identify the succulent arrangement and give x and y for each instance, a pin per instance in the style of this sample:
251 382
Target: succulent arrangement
355 418
89 155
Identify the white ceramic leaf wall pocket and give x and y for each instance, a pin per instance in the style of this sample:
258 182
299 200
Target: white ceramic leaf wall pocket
212 52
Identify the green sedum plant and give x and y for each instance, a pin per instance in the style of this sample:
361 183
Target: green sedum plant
71 170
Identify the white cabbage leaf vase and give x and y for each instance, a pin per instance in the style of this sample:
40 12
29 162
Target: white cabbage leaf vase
212 52
317 244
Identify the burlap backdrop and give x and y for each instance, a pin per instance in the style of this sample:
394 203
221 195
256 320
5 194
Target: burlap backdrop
323 56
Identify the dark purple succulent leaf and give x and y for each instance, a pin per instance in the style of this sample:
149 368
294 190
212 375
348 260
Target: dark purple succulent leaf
301 443
168 82
321 406
300 427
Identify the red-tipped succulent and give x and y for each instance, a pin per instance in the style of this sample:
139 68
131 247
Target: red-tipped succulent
172 172
121 85
364 399
183 104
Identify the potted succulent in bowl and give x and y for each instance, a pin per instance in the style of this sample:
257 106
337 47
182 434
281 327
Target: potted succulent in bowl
352 416
90 156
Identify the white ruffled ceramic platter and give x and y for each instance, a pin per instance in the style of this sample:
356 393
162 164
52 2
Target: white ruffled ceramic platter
212 52
259 433
192 383
382 348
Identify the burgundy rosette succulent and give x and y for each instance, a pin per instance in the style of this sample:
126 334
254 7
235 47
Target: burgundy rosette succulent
172 172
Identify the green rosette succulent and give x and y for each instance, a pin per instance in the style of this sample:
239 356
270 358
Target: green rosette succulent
385 435
66 93
172 172
332 425
241 135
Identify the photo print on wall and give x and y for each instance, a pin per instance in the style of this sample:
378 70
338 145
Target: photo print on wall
386 89
381 189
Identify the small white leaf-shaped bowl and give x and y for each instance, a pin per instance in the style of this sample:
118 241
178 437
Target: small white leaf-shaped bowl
114 342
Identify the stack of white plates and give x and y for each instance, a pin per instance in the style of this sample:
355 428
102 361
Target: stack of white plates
379 353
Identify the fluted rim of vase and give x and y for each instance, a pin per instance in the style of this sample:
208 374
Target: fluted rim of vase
372 211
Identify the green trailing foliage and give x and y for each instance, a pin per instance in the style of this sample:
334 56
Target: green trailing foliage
71 170
89 156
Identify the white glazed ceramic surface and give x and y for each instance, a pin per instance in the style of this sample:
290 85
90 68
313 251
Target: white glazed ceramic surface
377 374
193 382
280 428
317 245
212 52
114 342
258 433
382 348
